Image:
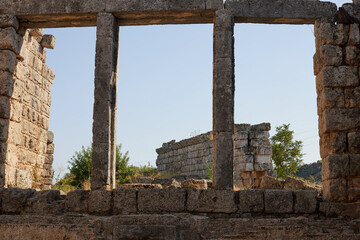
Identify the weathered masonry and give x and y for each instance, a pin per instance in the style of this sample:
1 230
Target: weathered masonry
218 213
194 156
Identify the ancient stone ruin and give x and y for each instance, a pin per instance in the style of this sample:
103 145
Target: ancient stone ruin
217 213
194 156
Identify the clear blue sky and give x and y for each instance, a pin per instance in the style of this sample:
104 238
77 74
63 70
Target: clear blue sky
165 85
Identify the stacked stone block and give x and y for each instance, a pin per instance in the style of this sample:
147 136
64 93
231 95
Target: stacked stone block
252 154
336 65
25 85
193 156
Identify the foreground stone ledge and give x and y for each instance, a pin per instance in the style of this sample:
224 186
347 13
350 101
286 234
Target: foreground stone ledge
281 11
77 201
161 200
212 201
125 201
278 201
251 201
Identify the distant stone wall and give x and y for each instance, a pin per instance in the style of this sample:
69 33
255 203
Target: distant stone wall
25 85
194 156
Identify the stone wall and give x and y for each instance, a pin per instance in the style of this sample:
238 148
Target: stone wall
194 156
336 65
26 147
174 214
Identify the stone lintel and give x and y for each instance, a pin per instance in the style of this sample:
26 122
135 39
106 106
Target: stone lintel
104 118
81 13
280 11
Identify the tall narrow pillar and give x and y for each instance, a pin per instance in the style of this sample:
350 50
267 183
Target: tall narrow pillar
104 116
223 100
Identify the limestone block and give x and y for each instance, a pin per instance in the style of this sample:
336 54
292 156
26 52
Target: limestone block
223 103
36 32
44 202
48 41
50 137
23 178
278 201
305 201
332 143
50 148
354 165
286 12
331 55
161 200
343 76
262 166
259 134
48 73
14 135
335 166
354 35
251 201
10 40
217 201
296 184
331 98
125 201
240 152
15 110
7 61
262 159
271 183
8 21
354 189
261 127
100 201
329 33
335 190
261 150
354 142
77 201
241 135
260 142
241 144
223 161
6 83
194 184
224 43
352 97
242 127
143 5
14 199
352 55
339 119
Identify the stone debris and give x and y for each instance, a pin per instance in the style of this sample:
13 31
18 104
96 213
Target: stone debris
271 183
172 184
194 184
143 180
140 186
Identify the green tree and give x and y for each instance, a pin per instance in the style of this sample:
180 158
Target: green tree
80 167
286 152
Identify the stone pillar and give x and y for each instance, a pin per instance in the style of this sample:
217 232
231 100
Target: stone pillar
336 64
223 100
104 124
9 118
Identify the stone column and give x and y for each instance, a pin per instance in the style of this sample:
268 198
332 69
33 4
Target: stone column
223 100
104 124
336 64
